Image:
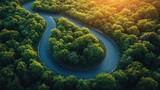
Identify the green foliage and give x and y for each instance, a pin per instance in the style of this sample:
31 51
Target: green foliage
59 82
83 85
137 51
9 34
70 82
132 24
121 79
43 87
147 83
7 57
146 25
74 46
17 45
36 69
21 68
133 30
134 72
104 82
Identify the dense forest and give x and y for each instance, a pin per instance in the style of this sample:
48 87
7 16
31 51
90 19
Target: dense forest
75 47
133 24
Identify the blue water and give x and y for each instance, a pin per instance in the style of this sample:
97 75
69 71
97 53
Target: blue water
108 65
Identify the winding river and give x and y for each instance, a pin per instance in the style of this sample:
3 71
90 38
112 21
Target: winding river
108 65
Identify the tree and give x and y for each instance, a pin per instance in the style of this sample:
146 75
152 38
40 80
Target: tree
7 57
147 83
137 51
43 87
11 23
56 33
12 44
70 82
61 55
130 40
121 79
14 84
146 25
85 30
21 68
149 60
9 80
151 12
68 38
93 52
117 27
125 61
149 46
133 30
134 72
152 37
120 37
29 54
73 58
8 34
104 81
82 42
83 85
47 77
59 82
36 69
77 34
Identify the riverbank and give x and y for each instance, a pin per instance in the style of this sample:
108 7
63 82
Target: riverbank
108 65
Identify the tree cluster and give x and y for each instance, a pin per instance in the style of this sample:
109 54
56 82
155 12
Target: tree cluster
75 47
132 24
20 32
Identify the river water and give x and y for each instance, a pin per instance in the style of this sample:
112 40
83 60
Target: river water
108 65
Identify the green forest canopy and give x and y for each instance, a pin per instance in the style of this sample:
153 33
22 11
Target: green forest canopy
132 24
73 46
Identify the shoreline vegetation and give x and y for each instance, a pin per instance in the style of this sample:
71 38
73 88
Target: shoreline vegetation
134 25
82 50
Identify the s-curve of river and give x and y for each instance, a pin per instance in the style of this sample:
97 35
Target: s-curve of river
108 65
